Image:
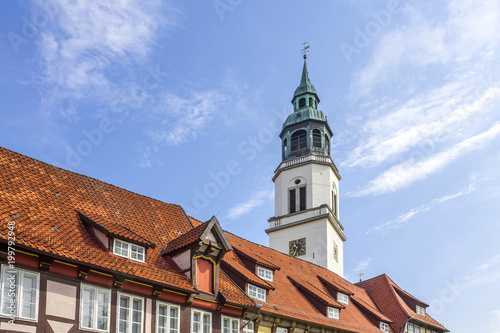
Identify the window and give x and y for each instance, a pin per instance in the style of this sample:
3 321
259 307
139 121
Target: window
410 328
230 325
334 203
201 321
20 293
333 313
128 250
285 149
384 327
327 145
335 251
316 138
416 329
130 311
420 310
256 292
167 318
248 327
265 273
343 298
311 102
302 102
94 308
297 199
298 140
281 330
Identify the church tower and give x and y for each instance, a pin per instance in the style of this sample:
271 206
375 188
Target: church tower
306 222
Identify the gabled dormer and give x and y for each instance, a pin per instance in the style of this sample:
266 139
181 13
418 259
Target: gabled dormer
261 267
323 302
115 238
198 254
246 278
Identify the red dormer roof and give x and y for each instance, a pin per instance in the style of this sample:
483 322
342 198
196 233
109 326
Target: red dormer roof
387 296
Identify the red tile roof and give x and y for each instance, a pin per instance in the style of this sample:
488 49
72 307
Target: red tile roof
45 201
386 295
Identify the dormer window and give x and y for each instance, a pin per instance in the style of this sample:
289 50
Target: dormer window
333 313
384 327
421 310
343 298
302 102
129 250
256 292
265 273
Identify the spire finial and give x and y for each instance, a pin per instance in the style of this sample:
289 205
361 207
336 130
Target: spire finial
305 49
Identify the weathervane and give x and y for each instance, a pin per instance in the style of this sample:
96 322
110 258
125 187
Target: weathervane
305 49
360 276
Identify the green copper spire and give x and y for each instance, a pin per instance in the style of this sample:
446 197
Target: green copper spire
305 83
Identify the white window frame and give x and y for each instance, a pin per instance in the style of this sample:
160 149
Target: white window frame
265 273
18 290
231 328
130 311
95 303
343 298
130 253
202 314
257 292
169 307
333 312
421 310
384 327
416 328
410 328
248 327
281 330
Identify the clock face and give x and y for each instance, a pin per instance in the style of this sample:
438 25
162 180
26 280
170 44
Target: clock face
297 247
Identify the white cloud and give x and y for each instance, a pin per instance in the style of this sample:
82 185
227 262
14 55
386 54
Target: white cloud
493 261
468 31
255 200
181 119
88 43
420 124
362 264
404 218
404 174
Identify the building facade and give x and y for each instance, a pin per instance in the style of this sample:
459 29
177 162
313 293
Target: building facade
81 255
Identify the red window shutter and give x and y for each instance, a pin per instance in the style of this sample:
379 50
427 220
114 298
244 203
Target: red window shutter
205 275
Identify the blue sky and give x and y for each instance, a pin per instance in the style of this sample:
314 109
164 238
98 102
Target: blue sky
183 102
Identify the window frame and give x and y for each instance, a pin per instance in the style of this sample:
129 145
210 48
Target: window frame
231 320
19 291
129 250
248 327
343 298
297 198
202 313
169 307
421 311
335 251
384 327
257 289
94 315
298 140
333 313
263 272
316 138
281 330
130 315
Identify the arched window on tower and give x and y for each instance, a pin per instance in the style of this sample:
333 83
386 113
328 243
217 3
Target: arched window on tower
311 104
302 102
316 138
299 140
327 145
285 149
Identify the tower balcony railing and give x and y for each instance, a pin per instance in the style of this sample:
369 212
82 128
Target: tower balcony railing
305 215
305 159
